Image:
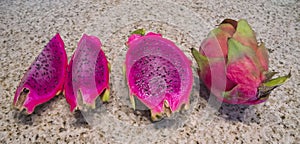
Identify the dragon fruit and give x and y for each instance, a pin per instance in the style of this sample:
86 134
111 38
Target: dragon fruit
45 77
234 67
158 74
87 74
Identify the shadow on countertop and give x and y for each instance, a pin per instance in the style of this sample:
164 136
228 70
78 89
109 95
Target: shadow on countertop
28 119
231 112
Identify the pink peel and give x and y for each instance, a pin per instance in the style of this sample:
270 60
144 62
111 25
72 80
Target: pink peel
133 37
88 74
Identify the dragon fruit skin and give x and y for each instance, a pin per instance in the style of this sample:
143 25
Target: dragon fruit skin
45 77
158 73
234 67
88 74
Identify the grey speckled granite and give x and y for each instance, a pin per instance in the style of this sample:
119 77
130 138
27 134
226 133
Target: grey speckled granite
27 26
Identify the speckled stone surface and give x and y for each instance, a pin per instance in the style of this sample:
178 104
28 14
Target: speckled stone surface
26 26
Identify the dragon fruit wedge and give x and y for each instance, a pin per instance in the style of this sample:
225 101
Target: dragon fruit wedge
87 74
45 77
158 73
234 67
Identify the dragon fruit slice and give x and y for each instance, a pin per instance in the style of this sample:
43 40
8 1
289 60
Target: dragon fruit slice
44 78
234 66
158 73
88 74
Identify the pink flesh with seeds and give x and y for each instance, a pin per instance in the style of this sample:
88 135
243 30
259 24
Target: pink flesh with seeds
45 77
157 70
88 72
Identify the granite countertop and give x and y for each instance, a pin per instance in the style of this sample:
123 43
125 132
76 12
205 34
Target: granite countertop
26 26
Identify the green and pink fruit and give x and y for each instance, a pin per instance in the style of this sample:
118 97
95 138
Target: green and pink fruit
87 74
45 77
234 67
158 73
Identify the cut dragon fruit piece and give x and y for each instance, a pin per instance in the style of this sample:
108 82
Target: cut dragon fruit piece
158 73
45 77
88 74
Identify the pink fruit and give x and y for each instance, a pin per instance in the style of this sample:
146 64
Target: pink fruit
88 74
44 78
234 66
158 73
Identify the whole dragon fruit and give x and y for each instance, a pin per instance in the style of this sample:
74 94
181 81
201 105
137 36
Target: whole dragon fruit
158 73
234 66
87 74
45 77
